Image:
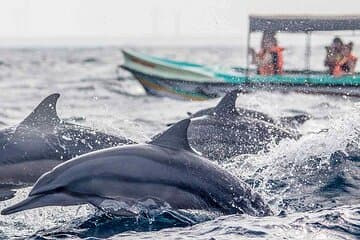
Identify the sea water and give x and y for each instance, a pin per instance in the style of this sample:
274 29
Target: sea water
312 184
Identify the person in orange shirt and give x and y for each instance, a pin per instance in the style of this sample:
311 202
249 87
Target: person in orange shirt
269 59
346 64
333 54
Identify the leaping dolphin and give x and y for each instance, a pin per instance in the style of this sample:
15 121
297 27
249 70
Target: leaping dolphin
224 131
42 141
163 170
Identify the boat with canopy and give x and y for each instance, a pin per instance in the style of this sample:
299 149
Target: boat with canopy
185 80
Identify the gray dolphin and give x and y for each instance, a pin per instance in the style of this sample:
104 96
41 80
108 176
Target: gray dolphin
163 170
224 131
228 104
42 141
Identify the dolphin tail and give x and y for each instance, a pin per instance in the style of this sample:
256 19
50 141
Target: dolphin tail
36 201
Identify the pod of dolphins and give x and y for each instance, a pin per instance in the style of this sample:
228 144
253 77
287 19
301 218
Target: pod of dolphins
72 165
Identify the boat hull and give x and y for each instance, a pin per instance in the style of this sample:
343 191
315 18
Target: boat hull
180 89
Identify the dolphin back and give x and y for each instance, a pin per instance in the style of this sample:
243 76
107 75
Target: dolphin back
44 116
41 141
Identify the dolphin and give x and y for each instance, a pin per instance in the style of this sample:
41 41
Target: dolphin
228 104
42 141
165 170
224 131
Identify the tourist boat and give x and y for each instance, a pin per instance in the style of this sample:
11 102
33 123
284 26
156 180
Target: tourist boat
185 80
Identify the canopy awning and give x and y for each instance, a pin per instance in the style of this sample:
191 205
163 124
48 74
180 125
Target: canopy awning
303 23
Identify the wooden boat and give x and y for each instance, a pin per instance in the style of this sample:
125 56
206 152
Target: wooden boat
185 80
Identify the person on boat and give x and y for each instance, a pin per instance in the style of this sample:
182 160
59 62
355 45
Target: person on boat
333 54
346 64
269 59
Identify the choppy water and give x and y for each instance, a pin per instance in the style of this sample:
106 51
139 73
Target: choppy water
312 184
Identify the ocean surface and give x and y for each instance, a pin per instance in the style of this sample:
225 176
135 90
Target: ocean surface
312 184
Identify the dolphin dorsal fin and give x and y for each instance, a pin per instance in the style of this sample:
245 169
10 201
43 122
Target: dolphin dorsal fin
227 104
44 115
175 137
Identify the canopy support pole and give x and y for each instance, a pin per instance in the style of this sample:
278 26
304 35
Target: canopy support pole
247 56
308 53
